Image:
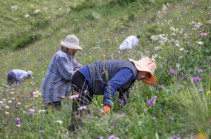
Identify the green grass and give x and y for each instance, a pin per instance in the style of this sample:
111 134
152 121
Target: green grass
180 110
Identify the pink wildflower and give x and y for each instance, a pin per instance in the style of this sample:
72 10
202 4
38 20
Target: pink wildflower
82 107
31 112
113 137
74 96
36 93
203 34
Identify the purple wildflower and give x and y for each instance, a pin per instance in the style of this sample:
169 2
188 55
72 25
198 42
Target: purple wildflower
196 80
161 86
172 71
101 138
200 90
67 134
31 112
155 97
17 120
89 115
175 137
15 105
150 102
82 107
113 137
42 131
200 71
86 91
121 101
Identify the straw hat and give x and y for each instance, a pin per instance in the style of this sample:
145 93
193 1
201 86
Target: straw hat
71 41
147 65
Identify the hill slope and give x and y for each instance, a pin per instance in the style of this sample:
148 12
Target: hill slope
170 33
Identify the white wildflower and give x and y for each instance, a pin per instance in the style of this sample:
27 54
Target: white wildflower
164 8
197 26
9 101
59 121
173 34
154 56
186 35
181 49
192 23
36 96
158 48
7 113
209 22
26 15
96 15
174 29
40 111
154 38
12 92
181 31
7 107
36 11
14 7
177 43
199 42
178 65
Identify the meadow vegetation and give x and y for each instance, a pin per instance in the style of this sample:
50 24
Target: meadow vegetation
174 32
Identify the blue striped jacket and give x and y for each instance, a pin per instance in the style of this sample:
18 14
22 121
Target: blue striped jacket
57 82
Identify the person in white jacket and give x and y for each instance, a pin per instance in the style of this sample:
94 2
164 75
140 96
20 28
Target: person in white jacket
17 76
130 42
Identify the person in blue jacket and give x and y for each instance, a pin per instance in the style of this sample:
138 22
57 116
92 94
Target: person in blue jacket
57 82
106 78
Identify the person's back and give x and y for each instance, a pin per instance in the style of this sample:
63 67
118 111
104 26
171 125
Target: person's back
129 43
17 76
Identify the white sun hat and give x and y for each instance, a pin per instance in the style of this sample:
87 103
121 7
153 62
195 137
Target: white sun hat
30 73
71 41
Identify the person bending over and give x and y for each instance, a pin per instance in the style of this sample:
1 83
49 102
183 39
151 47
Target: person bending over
106 78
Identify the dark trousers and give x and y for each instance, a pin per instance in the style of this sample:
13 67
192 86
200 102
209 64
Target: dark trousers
80 86
55 105
12 78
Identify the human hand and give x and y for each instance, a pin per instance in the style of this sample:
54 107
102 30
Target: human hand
105 110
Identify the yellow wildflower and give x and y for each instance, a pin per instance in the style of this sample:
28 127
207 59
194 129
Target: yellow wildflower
201 136
195 41
208 92
30 105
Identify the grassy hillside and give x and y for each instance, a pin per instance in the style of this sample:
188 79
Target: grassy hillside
170 33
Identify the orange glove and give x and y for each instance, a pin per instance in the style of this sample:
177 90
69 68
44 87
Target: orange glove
106 109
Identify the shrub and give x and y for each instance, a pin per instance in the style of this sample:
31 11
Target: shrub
84 5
